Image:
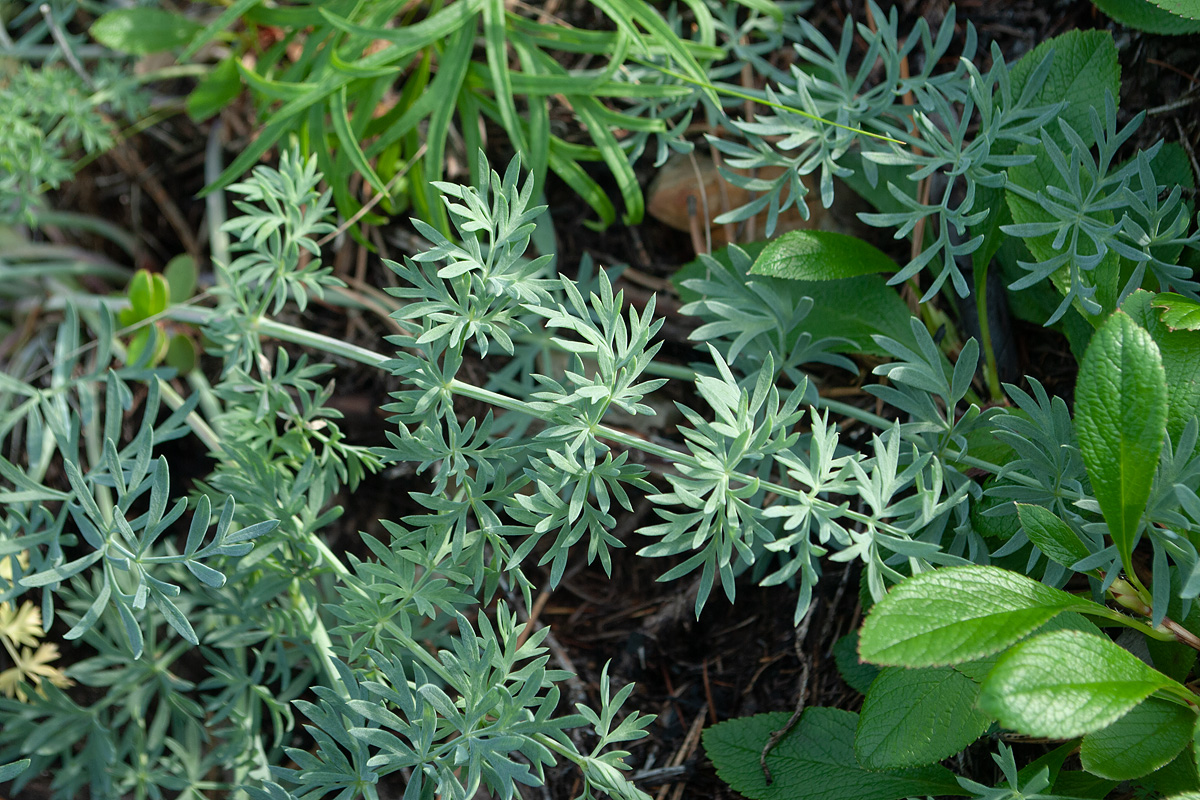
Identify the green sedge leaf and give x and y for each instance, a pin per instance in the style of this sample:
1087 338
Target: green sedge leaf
140 31
1121 418
820 256
1146 738
1051 535
815 761
958 614
1067 683
913 717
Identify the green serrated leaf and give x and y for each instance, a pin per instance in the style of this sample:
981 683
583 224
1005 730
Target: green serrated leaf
1189 9
815 761
1180 351
1067 683
1146 738
1120 419
855 672
140 31
1179 312
958 614
1143 15
1051 535
1085 66
913 717
820 256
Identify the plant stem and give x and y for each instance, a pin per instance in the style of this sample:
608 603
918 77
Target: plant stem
991 375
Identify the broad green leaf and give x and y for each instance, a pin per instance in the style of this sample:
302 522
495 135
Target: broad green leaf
958 614
1051 535
139 31
1143 740
1120 419
1143 15
978 669
1179 312
855 672
815 761
1189 9
1178 777
216 90
1085 66
180 275
1067 683
820 256
856 309
1180 351
913 717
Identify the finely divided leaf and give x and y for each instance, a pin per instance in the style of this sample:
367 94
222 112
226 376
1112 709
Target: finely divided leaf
815 761
1143 740
958 614
913 717
1051 535
1067 683
1120 418
820 256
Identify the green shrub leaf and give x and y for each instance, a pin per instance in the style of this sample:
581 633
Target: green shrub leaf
1179 312
1180 351
1143 740
820 256
1067 683
1143 15
815 761
139 31
1189 9
854 671
1085 66
1051 535
1120 418
913 717
958 614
